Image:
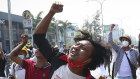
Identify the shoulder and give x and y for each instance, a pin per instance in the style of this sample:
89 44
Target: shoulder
135 51
27 63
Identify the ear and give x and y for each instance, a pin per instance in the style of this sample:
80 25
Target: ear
87 61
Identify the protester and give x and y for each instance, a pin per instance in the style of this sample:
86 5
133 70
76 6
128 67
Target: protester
33 57
56 49
62 49
17 71
123 68
30 50
2 62
139 49
8 63
34 70
138 70
108 57
85 55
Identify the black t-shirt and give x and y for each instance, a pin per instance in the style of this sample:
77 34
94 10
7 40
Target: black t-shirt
2 67
108 55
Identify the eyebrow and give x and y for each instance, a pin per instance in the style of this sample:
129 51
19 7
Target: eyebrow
84 45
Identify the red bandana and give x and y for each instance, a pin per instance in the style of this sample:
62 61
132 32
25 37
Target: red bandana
70 63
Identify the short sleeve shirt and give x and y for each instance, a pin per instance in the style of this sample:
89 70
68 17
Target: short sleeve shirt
64 72
17 71
32 72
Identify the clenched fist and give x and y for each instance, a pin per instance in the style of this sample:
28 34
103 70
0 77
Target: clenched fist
56 7
112 26
24 38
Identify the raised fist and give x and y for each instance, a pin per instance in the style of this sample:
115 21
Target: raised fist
112 26
56 7
24 38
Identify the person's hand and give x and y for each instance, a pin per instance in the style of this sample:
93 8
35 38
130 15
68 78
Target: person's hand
56 7
139 37
112 26
24 38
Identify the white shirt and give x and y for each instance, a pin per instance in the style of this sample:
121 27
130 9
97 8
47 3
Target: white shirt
63 72
125 69
114 55
17 71
34 59
100 71
61 50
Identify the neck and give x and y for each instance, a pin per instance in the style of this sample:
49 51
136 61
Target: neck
127 48
78 70
41 63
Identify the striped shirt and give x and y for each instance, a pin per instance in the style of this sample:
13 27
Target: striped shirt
120 53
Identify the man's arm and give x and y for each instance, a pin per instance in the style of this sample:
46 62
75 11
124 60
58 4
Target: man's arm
42 27
2 53
41 30
15 52
110 40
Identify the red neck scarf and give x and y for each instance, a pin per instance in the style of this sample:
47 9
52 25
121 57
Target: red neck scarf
70 63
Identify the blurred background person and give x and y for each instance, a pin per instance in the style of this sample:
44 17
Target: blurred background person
2 62
17 71
34 70
61 50
108 57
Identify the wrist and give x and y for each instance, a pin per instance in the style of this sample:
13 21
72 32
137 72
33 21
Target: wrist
52 12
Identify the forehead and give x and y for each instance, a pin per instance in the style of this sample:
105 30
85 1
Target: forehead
86 43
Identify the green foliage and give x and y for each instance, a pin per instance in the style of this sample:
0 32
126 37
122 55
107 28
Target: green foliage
37 19
115 40
94 26
52 27
69 44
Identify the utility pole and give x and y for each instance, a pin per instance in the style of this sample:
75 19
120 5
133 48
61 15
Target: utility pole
101 4
10 23
57 34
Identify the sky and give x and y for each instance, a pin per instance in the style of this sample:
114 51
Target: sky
125 13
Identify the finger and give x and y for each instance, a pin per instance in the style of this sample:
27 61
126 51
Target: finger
56 2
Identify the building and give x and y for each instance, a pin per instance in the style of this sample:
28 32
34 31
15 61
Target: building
70 35
17 30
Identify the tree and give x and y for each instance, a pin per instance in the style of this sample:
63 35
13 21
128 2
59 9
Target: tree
97 27
87 25
64 27
36 19
94 26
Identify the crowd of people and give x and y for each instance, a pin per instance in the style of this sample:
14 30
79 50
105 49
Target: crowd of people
42 61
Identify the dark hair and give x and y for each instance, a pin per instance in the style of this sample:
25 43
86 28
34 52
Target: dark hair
98 52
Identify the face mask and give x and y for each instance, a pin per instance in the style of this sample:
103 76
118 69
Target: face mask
125 43
27 56
75 64
21 56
